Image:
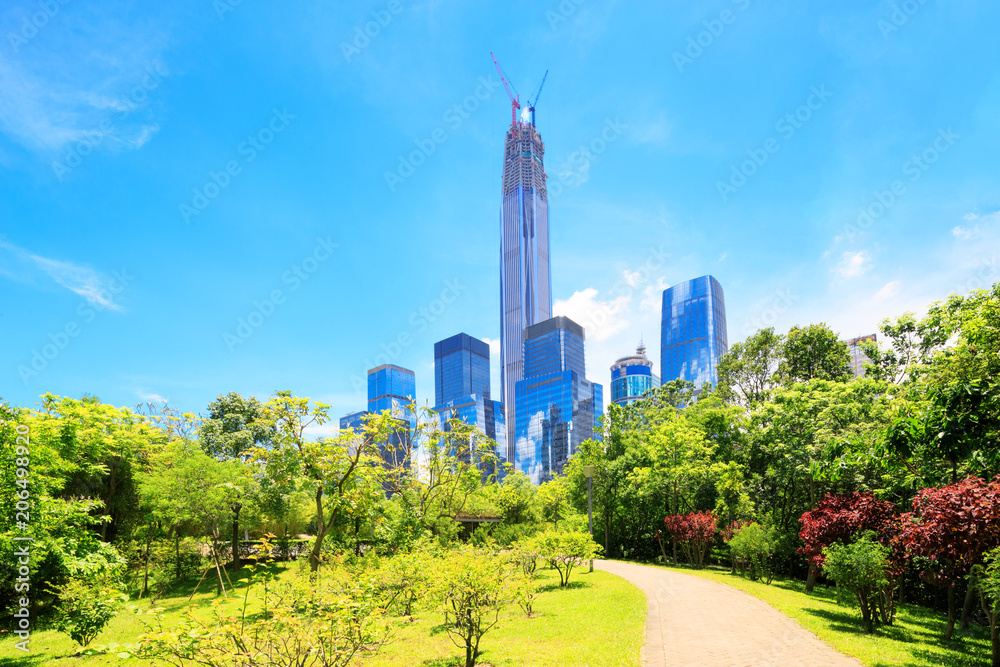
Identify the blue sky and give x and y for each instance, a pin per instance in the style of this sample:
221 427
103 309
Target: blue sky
170 170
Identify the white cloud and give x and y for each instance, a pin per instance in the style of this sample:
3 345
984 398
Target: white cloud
854 264
652 296
632 278
150 397
26 267
888 290
965 233
723 256
600 319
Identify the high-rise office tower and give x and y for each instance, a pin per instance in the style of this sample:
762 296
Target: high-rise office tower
632 376
391 388
525 274
693 335
557 408
462 387
858 356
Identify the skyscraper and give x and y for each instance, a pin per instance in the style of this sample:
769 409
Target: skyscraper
858 356
390 388
525 274
462 387
632 376
693 332
557 408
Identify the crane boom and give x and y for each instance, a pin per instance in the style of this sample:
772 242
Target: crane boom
538 92
514 104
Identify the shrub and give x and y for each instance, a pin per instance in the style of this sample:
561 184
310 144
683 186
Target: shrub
988 581
694 533
752 547
472 587
327 624
85 607
861 569
566 550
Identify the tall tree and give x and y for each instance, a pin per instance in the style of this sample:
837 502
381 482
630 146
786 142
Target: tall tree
814 353
746 372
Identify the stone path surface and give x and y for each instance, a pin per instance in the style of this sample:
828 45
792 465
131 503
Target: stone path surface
693 621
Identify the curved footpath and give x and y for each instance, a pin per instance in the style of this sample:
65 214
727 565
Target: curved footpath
694 621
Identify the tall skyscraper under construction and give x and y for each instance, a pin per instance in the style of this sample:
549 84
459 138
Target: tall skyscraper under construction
525 274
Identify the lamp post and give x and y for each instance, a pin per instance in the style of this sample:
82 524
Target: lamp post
588 472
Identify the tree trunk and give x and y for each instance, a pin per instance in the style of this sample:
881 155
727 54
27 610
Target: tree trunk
995 635
236 507
970 598
177 555
811 579
951 612
145 572
320 532
221 590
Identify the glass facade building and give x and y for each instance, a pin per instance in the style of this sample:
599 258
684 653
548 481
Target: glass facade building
631 377
693 335
557 407
858 356
461 368
390 388
462 387
525 273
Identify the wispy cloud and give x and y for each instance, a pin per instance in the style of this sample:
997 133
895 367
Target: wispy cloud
26 267
854 264
151 397
81 76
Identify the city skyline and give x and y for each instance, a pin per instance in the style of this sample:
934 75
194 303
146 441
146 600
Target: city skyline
198 202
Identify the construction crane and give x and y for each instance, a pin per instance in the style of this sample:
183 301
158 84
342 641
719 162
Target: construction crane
514 104
531 104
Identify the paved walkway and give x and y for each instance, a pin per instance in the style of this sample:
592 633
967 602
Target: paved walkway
694 621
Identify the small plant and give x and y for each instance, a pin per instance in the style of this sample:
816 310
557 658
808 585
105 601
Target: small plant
987 579
752 547
85 607
564 551
694 533
861 570
472 586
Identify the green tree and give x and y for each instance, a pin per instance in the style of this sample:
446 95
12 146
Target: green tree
746 372
814 353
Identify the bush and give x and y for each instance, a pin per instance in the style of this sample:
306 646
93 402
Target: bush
988 580
752 547
694 533
85 607
472 586
564 551
860 570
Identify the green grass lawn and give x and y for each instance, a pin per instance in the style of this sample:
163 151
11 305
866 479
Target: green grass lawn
914 640
598 620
